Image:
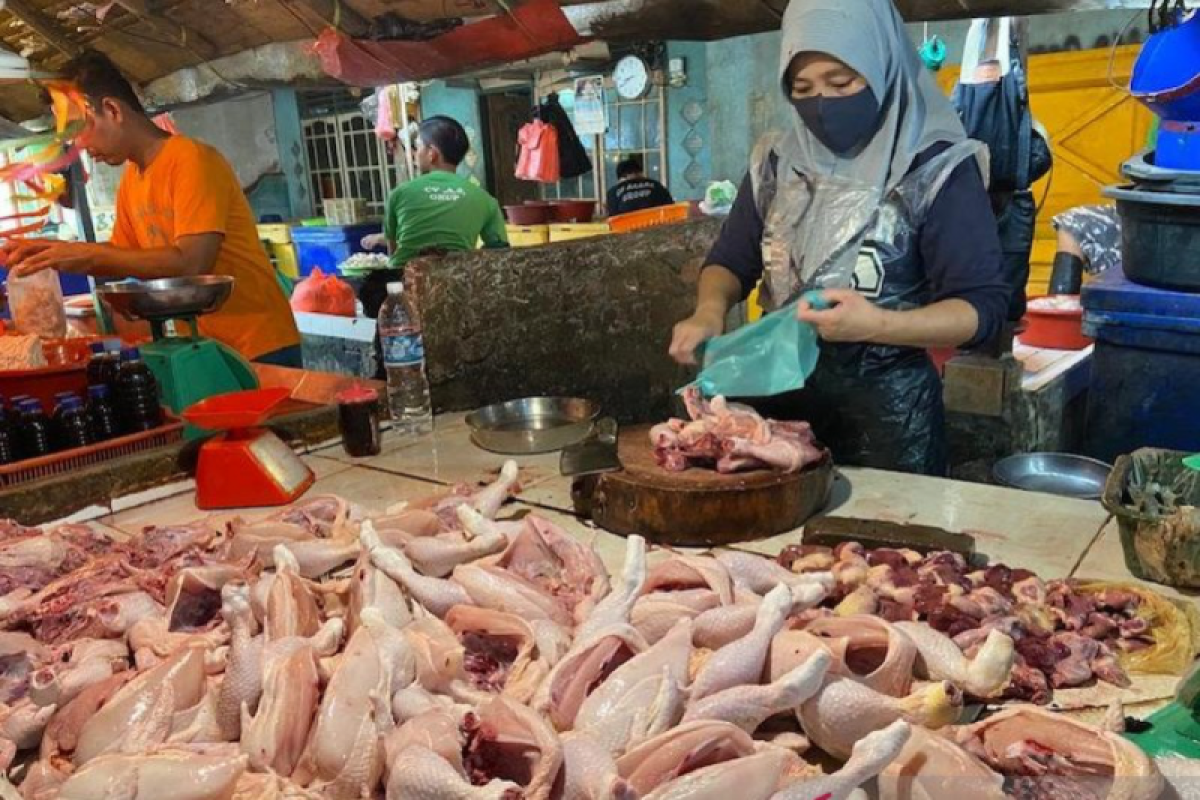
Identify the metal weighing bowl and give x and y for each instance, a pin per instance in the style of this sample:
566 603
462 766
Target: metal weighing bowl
532 425
1054 473
167 298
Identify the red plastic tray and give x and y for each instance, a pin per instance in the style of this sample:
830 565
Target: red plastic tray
33 469
236 409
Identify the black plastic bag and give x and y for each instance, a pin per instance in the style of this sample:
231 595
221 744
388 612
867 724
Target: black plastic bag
573 159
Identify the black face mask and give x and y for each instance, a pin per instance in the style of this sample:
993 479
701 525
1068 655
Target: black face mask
842 124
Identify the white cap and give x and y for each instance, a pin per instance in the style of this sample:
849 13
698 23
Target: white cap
396 287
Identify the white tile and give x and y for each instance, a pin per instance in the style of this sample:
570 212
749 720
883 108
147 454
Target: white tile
129 501
449 457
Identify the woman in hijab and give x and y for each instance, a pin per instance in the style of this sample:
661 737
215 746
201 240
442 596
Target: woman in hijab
874 198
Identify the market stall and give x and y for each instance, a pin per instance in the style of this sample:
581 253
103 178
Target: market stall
441 572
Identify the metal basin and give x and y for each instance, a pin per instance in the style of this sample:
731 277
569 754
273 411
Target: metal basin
532 425
1054 473
167 298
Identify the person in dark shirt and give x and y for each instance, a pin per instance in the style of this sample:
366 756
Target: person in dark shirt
634 191
875 201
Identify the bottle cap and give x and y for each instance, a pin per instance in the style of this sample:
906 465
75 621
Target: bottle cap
31 405
357 394
130 354
71 403
98 391
396 287
96 347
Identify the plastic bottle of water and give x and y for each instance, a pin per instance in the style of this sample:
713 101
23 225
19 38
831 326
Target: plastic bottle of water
404 361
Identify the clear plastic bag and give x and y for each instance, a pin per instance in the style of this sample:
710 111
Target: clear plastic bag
36 303
769 357
799 257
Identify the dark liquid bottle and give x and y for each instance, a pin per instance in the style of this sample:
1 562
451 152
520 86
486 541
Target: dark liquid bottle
96 366
8 447
73 428
101 415
106 372
33 431
137 394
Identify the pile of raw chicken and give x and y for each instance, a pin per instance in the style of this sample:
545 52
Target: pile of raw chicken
435 653
730 438
1064 636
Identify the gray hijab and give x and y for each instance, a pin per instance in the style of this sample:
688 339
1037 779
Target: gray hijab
824 203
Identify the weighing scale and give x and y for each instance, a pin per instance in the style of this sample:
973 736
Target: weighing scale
189 368
1175 729
246 465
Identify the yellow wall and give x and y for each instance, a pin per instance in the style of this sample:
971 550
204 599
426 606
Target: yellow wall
1093 128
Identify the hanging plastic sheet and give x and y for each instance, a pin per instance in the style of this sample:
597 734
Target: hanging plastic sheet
38 160
532 29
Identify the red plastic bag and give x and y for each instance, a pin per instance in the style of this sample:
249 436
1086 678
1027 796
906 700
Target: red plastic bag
324 294
538 160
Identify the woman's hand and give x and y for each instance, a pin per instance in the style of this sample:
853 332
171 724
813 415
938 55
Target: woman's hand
693 332
852 318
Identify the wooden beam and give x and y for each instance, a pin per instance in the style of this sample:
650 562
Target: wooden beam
349 21
42 25
152 13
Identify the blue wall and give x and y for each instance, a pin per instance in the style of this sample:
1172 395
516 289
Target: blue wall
461 104
291 152
689 129
745 100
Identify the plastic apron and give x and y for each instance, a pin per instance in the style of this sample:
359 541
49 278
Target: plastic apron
872 405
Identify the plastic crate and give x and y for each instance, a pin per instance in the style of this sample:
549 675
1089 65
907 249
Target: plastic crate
649 218
527 235
284 256
349 211
328 246
33 469
275 233
578 230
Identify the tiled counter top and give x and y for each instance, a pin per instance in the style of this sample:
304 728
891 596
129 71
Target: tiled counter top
1054 536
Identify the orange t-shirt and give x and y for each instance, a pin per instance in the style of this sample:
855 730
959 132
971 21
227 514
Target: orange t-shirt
189 189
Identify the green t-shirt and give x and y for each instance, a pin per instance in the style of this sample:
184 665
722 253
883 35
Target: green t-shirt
441 210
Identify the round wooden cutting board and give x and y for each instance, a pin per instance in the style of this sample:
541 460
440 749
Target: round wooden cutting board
699 507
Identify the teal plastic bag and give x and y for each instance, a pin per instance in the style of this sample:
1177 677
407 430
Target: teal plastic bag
768 357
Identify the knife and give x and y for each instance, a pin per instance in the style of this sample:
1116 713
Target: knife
594 455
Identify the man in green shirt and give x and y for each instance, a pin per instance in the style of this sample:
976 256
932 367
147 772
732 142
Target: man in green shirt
436 213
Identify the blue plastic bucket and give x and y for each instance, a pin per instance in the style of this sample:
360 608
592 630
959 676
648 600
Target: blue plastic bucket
1166 76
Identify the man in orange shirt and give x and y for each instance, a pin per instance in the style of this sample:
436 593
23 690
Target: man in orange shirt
180 211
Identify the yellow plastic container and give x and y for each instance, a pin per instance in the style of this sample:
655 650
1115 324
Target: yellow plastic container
754 310
275 233
578 230
284 256
527 235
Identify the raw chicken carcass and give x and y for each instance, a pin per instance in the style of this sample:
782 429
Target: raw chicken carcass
589 771
435 594
420 774
587 665
931 767
754 777
742 662
871 651
749 706
683 749
510 742
846 711
1036 750
617 605
983 676
140 714
641 698
870 755
275 735
179 775
563 568
500 654
342 757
